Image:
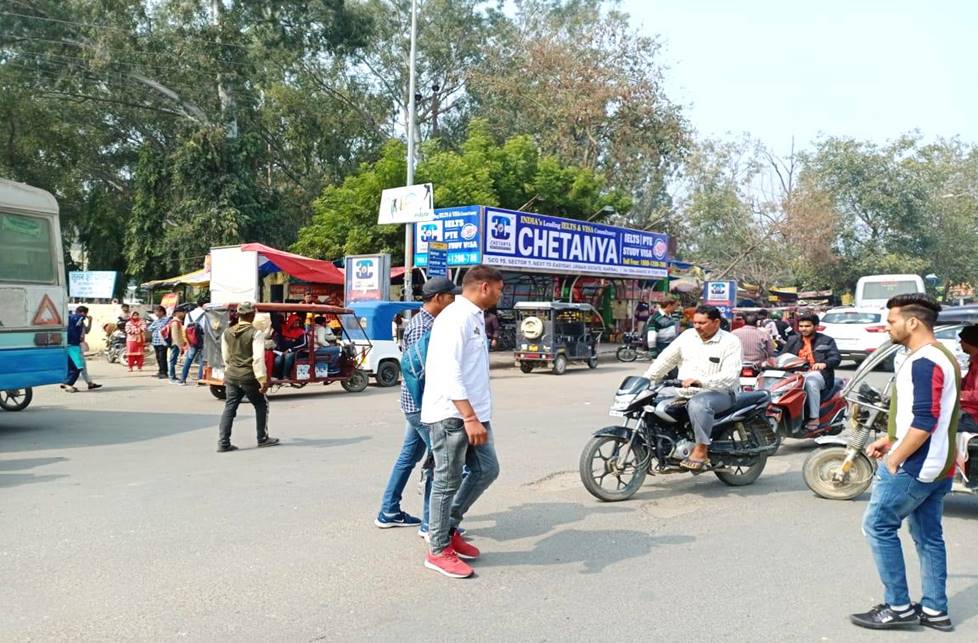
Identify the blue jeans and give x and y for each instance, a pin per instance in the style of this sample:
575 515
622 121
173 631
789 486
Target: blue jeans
174 356
192 354
895 497
452 495
416 443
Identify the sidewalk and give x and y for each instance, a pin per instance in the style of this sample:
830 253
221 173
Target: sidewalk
505 359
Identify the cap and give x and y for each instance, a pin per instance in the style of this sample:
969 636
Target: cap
969 334
246 308
438 286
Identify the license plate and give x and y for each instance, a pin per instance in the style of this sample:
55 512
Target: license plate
534 348
774 374
617 414
217 373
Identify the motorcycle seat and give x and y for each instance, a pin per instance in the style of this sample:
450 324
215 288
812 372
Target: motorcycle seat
749 398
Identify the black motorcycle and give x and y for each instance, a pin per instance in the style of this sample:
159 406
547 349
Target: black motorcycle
656 436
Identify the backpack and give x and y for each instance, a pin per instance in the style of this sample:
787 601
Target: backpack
195 335
412 367
165 332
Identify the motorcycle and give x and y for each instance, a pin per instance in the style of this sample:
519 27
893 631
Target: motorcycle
634 346
656 436
788 411
115 345
840 469
749 371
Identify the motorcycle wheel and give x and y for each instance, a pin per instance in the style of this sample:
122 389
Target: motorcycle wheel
823 463
357 382
219 392
626 354
740 475
16 399
779 430
599 476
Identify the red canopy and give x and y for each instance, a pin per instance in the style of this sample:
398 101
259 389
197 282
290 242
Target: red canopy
314 271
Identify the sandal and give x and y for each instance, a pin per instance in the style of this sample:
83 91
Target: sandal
695 465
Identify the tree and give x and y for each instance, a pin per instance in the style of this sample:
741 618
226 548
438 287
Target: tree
512 175
589 88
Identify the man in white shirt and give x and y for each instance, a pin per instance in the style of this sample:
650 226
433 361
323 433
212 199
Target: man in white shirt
457 405
709 361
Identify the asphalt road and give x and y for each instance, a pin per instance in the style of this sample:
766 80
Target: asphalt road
118 521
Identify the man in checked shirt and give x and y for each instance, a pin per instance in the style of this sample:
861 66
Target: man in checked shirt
437 293
709 361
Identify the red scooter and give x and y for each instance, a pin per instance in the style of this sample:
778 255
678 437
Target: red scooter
788 411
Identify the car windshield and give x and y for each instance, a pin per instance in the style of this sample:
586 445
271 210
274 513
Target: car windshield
852 317
887 289
948 333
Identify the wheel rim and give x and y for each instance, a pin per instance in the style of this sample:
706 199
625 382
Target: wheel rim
822 466
741 440
604 469
12 397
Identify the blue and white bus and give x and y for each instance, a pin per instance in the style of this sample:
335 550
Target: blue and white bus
32 294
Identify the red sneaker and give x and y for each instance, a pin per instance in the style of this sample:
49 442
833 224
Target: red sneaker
464 549
447 563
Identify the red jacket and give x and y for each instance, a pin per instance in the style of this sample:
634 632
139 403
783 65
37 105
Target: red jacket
969 389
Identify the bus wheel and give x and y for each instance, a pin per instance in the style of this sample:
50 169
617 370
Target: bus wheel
219 392
16 399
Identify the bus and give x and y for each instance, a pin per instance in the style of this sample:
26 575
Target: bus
32 294
873 291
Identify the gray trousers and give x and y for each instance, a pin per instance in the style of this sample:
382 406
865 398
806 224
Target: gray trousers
703 408
451 494
814 383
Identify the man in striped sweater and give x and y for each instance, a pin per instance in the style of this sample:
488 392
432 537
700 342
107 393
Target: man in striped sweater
915 473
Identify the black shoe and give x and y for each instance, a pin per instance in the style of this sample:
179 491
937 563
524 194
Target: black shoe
882 617
268 442
940 622
226 448
93 386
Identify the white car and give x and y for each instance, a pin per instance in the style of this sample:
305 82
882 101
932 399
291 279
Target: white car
856 331
947 335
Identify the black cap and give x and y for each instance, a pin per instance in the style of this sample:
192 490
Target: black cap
437 286
969 334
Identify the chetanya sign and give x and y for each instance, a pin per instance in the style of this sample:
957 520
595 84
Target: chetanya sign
539 243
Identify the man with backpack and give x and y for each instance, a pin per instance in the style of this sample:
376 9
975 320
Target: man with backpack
195 342
437 293
178 341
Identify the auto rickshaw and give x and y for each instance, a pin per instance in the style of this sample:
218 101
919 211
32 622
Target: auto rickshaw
304 366
376 319
552 333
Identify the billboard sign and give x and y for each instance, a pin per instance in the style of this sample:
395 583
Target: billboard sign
367 278
539 243
722 294
91 284
459 228
437 259
408 204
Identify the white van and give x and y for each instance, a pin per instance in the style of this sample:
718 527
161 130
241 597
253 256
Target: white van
873 291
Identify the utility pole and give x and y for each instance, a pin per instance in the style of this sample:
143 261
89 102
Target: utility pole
223 92
412 124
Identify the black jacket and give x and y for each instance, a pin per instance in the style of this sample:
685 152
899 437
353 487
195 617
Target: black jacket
825 350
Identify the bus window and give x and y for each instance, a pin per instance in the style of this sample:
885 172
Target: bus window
26 249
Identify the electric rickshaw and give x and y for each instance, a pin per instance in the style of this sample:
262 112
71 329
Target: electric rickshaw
301 364
550 334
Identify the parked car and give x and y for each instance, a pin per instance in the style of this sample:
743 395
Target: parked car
858 332
949 323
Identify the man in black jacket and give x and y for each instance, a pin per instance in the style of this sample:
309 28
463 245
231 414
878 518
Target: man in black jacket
823 357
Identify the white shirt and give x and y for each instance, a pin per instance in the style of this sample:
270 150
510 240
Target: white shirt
194 315
716 363
457 365
324 336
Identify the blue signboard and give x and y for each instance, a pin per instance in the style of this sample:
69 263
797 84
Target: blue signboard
437 259
722 294
459 228
534 242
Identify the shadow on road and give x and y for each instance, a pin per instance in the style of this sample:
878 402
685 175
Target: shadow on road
71 429
536 519
961 505
594 549
325 442
964 604
16 479
708 486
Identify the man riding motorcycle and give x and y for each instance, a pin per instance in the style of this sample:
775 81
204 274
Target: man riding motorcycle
822 355
709 361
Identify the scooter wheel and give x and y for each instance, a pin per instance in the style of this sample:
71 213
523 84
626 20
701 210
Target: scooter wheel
822 465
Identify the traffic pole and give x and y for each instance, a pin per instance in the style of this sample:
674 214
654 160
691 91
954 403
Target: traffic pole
412 125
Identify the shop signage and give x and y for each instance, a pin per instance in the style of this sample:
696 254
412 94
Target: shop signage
539 243
367 278
459 228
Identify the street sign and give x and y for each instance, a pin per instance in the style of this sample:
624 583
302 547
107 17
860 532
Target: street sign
408 204
437 259
722 294
91 284
368 278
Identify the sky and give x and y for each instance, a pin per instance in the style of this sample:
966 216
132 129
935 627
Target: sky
867 69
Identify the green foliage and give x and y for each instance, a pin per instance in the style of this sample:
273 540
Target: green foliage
510 175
